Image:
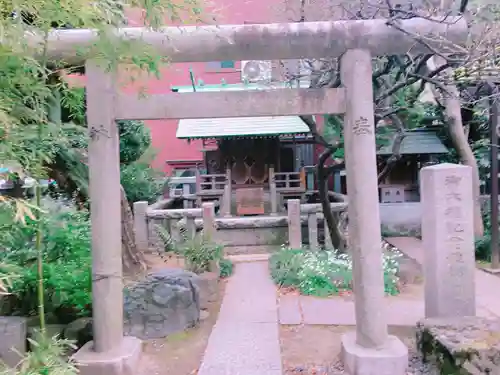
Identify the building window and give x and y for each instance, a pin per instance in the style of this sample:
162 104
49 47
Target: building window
216 66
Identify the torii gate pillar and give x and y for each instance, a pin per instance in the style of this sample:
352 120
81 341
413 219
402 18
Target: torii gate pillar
368 350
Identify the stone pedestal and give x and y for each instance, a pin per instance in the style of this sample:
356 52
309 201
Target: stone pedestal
13 332
448 240
122 360
390 359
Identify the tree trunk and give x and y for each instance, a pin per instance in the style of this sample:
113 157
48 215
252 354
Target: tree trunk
451 103
331 219
132 258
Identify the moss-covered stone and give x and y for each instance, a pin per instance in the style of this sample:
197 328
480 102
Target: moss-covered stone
461 346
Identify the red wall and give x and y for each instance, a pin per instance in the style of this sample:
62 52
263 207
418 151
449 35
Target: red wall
168 147
165 143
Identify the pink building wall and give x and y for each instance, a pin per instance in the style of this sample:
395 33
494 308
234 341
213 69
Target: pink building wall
176 153
170 149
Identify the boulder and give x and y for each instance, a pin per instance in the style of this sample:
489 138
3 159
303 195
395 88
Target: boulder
165 302
465 345
73 330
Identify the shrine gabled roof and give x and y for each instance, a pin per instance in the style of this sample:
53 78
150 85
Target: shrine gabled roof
241 127
417 142
268 126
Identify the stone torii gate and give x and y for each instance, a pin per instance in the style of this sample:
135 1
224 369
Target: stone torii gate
369 348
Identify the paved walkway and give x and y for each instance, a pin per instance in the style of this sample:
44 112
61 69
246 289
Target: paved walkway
245 339
403 310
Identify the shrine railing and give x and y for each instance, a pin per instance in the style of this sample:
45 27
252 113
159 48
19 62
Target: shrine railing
282 184
159 228
314 213
290 182
215 186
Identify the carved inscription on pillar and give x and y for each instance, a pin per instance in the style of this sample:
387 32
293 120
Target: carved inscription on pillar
362 126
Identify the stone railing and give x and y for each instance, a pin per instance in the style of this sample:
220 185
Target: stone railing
181 187
314 213
179 224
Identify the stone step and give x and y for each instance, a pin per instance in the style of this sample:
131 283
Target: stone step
250 250
242 258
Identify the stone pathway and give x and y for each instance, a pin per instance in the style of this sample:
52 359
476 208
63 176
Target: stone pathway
245 339
402 310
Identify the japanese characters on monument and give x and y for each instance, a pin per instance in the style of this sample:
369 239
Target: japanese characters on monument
448 240
454 225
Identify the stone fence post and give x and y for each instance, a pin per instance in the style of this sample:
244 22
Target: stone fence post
227 198
208 221
186 192
448 240
312 227
141 225
272 191
294 225
328 238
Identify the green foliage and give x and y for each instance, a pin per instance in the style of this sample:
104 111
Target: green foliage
412 113
141 182
483 244
226 268
199 254
48 355
135 139
66 256
323 273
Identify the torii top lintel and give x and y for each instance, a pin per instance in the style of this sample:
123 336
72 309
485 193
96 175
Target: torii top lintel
277 41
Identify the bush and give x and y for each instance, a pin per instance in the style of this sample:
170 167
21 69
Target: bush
141 182
66 256
323 273
199 254
483 244
49 355
226 268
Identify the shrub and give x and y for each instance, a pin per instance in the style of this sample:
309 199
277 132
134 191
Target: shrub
226 268
323 273
49 355
483 244
66 257
199 254
141 182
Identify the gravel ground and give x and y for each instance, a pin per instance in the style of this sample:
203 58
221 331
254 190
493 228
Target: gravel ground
415 366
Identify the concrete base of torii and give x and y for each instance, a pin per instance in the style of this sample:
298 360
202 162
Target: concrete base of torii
391 359
123 360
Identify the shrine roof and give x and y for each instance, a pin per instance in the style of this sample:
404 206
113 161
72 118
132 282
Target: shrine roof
420 141
241 127
268 126
234 87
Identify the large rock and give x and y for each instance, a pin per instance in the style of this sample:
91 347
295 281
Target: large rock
464 346
166 302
